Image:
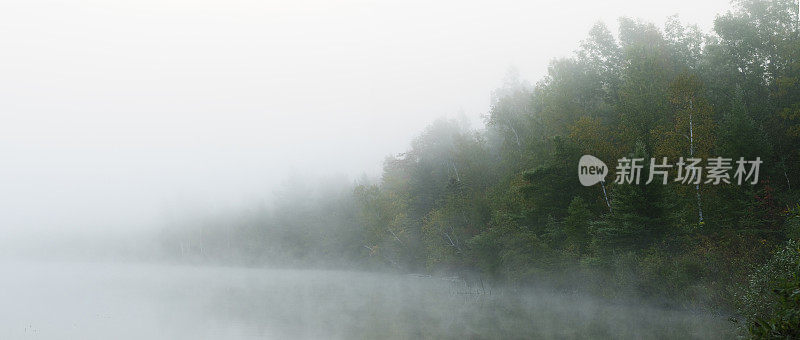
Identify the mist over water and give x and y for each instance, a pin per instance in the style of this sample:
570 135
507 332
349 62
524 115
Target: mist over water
146 301
242 169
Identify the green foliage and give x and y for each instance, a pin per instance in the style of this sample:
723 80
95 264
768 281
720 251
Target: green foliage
784 323
513 253
576 225
758 301
548 191
638 217
792 226
505 200
772 298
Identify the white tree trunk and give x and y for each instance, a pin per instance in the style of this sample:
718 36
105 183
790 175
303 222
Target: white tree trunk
691 154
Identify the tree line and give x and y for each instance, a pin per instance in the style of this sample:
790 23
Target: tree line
505 200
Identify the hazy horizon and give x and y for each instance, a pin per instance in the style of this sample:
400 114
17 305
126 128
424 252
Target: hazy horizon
114 112
399 169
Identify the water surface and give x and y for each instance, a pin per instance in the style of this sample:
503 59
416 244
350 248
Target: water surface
144 301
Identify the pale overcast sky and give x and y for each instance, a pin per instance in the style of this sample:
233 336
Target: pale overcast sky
112 110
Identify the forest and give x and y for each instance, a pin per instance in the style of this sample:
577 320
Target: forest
503 201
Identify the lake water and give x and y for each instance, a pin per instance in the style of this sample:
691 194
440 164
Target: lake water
143 301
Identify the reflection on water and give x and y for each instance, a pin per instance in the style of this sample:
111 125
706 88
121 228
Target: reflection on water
132 301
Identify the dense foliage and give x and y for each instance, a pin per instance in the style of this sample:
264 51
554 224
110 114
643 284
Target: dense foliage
505 200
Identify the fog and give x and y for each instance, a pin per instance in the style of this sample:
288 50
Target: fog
113 111
186 169
94 301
